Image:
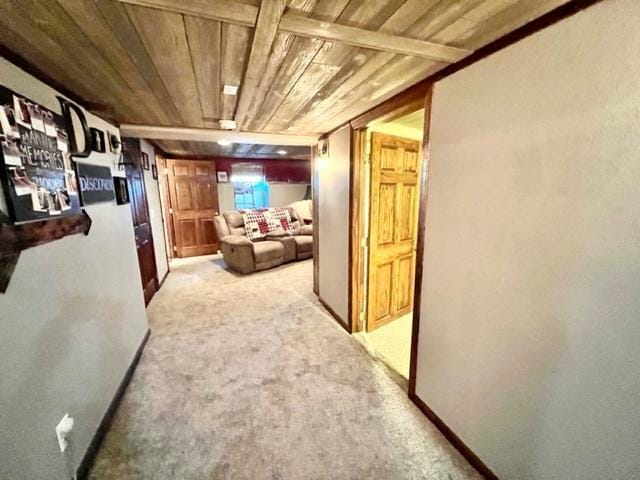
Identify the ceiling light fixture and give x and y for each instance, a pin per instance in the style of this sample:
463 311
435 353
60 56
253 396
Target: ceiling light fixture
230 89
223 142
227 124
281 152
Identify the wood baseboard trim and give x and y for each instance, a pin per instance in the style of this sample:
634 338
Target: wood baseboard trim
457 443
83 469
336 317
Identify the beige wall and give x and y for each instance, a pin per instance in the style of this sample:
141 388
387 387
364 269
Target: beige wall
226 201
155 212
283 194
333 223
70 322
530 329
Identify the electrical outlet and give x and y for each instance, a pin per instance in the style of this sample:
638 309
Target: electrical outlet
63 431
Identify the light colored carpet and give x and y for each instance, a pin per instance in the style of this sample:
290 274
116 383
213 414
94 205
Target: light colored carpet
249 378
392 344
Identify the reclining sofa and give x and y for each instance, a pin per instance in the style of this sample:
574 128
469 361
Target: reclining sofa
246 256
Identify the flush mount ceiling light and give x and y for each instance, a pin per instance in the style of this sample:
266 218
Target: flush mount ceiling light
227 124
230 90
224 143
281 152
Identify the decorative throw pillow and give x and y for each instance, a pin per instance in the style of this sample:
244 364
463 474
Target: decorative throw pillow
260 222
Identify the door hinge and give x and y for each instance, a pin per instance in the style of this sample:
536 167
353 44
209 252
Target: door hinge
175 249
362 319
165 171
171 211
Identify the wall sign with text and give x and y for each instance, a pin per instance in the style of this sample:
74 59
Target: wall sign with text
38 177
96 183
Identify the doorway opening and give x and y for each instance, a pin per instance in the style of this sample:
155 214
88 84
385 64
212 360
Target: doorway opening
386 183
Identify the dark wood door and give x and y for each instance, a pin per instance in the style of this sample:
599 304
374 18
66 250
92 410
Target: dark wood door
193 194
141 224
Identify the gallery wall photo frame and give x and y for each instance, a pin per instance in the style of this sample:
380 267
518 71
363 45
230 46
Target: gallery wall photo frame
36 169
145 160
97 140
222 176
154 171
122 190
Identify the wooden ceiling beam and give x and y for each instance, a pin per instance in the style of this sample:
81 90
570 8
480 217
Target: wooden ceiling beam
233 12
265 33
375 40
157 132
220 10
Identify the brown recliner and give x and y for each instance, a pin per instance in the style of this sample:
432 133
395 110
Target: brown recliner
245 256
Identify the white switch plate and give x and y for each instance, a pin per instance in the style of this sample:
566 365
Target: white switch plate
63 430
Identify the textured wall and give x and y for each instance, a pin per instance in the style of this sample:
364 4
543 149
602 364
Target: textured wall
283 194
529 330
70 323
333 223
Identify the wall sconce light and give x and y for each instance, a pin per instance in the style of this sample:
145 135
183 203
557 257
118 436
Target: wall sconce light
323 155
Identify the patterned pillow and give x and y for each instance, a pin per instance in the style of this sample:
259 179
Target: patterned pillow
260 222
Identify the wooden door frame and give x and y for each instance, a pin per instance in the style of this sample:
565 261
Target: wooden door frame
398 107
161 165
172 208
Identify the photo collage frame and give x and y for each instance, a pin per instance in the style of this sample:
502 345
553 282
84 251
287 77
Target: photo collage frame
39 177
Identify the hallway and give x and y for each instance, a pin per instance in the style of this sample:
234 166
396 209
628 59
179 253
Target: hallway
249 378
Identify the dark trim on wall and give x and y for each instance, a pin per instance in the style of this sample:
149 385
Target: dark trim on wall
352 160
316 217
405 102
333 313
89 456
422 221
164 278
458 444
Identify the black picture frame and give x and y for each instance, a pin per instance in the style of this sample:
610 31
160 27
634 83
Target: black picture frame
122 190
222 176
145 160
154 171
96 183
97 140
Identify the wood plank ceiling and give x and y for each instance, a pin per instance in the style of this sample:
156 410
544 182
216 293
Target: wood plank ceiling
235 150
303 66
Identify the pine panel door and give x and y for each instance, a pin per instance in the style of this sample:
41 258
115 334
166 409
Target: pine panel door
395 167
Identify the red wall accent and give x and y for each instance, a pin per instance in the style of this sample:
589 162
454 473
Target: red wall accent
275 170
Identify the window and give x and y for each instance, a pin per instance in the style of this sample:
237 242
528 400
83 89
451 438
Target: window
249 195
250 189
